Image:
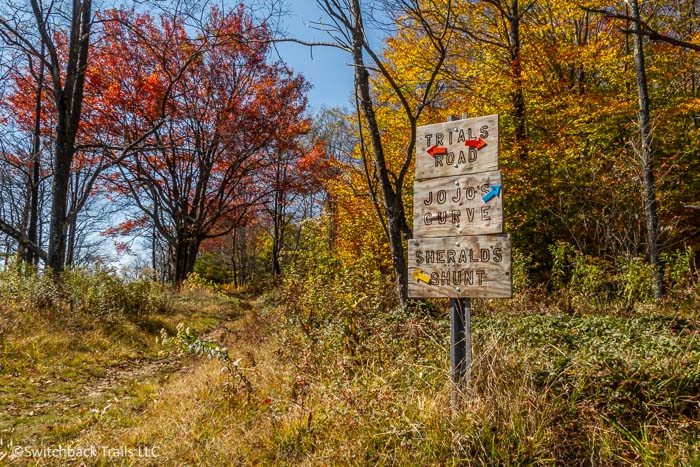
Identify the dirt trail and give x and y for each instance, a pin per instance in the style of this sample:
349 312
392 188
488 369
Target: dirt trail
136 371
100 393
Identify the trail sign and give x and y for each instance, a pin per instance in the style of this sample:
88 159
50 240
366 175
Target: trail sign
468 204
457 147
458 191
458 200
477 266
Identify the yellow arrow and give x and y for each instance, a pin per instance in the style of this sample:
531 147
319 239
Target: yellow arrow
419 275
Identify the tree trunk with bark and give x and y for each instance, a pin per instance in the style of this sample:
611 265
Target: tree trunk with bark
185 255
647 156
393 206
68 96
58 227
35 176
517 97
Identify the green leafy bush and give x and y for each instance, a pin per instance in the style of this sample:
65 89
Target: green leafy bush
635 280
212 268
521 277
628 281
579 276
560 274
681 267
185 342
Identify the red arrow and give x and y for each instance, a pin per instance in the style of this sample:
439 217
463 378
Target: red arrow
475 143
432 150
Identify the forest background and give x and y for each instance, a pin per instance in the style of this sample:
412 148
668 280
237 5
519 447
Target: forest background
237 175
176 119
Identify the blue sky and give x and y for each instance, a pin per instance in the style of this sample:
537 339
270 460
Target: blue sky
328 69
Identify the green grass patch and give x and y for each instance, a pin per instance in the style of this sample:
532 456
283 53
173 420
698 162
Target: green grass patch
64 359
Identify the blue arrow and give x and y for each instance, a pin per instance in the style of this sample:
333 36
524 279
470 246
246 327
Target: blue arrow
495 190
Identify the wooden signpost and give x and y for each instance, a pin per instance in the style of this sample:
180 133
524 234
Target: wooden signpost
469 204
477 266
459 250
457 147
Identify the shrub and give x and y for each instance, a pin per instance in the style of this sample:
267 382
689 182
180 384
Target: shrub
580 276
635 280
28 289
627 281
562 254
197 283
185 342
681 268
102 293
213 268
521 276
99 292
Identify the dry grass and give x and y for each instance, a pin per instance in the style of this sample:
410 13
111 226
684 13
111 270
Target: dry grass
389 404
369 386
64 368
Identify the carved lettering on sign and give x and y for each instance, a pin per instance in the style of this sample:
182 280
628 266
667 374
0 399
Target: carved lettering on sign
476 266
457 147
459 205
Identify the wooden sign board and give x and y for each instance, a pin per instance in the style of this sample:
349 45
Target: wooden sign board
457 147
458 205
456 267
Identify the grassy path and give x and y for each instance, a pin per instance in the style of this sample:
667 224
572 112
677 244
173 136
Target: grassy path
548 388
63 378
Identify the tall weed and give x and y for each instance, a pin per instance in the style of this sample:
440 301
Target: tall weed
682 268
635 281
96 293
587 280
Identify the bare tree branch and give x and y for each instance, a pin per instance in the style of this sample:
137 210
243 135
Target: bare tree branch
22 240
645 29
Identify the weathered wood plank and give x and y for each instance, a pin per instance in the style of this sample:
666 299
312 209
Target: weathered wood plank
467 266
457 147
458 205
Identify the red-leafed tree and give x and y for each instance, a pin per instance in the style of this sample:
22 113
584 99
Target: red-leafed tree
295 182
219 110
49 127
294 177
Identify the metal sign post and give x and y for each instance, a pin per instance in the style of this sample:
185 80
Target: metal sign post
460 343
460 347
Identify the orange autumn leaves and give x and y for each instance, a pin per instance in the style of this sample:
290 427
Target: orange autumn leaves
579 183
